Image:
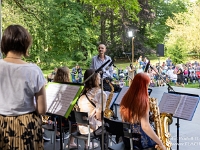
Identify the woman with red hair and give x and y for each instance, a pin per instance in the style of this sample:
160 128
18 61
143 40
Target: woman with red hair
134 109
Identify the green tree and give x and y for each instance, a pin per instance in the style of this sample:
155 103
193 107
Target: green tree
184 33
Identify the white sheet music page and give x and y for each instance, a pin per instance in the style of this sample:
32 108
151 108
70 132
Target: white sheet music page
121 95
169 103
181 106
59 97
186 107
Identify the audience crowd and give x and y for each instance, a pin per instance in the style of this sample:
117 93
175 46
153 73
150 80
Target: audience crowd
179 74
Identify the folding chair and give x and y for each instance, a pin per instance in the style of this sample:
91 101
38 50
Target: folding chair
118 128
80 118
54 128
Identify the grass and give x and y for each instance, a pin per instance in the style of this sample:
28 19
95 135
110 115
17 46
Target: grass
123 63
189 85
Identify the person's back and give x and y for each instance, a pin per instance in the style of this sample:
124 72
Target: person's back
135 110
23 97
23 81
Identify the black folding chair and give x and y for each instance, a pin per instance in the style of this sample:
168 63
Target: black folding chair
118 128
81 118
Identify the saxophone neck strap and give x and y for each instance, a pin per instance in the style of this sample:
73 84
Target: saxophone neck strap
90 101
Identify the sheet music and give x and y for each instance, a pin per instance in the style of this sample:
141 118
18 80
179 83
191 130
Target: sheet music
121 95
181 106
187 107
59 97
169 103
113 98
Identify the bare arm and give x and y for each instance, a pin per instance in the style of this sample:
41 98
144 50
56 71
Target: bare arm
41 104
149 131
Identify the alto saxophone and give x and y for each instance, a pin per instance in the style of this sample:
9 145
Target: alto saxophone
108 113
161 122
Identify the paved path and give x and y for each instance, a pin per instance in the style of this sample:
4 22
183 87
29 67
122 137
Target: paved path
189 131
189 135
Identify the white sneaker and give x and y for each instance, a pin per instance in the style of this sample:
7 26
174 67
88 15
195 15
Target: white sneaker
45 137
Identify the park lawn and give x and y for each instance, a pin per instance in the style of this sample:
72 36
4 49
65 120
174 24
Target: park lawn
123 63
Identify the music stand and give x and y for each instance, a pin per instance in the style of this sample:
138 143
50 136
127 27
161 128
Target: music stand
121 94
181 105
100 71
61 98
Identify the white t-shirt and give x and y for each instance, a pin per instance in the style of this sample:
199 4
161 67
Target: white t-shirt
18 85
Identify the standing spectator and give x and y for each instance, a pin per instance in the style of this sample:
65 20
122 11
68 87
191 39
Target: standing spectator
23 96
140 61
186 75
73 73
168 62
80 74
180 78
131 73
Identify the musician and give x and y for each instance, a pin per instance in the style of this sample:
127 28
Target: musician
63 75
134 109
22 93
99 60
90 101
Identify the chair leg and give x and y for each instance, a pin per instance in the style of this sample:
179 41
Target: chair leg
92 144
68 143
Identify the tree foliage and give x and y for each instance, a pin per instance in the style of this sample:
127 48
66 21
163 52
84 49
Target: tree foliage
70 30
184 37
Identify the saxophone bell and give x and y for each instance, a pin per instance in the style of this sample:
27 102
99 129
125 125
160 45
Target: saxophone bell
161 123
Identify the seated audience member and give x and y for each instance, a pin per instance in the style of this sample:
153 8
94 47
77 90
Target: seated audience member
139 70
115 74
92 94
192 77
135 110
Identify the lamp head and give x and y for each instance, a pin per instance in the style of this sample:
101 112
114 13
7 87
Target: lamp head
130 33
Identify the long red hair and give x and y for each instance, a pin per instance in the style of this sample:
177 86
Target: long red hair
135 102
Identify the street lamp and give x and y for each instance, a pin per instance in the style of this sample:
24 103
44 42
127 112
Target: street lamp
131 34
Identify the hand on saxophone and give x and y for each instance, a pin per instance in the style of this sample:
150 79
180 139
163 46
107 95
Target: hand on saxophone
160 147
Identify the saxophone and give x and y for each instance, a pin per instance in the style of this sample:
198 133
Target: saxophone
108 113
161 122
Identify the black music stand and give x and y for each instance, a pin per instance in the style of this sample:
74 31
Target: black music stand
181 105
61 98
100 70
121 94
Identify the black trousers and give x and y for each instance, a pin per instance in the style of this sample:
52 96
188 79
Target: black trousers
106 85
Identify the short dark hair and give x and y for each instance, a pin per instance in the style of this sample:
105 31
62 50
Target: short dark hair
16 39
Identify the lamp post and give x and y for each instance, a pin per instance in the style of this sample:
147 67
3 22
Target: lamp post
130 34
